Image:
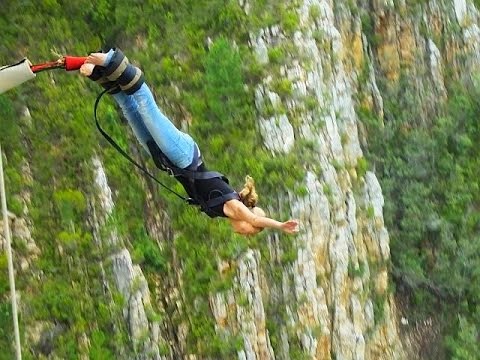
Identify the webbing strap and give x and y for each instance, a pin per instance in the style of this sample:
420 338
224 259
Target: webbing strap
162 162
198 175
221 199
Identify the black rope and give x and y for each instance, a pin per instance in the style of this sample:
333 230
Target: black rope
125 155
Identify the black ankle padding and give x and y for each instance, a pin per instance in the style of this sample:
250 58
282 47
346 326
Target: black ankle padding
135 86
114 90
115 62
96 74
128 75
111 86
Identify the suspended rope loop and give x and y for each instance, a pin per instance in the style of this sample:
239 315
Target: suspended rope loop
48 66
68 63
126 156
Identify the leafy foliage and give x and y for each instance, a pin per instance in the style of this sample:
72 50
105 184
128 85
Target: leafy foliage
429 175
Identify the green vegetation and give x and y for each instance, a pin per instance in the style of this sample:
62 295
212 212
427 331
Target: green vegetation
429 174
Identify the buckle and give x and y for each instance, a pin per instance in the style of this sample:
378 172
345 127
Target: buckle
170 172
191 201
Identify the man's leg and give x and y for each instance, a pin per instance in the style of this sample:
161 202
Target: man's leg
130 110
176 145
127 103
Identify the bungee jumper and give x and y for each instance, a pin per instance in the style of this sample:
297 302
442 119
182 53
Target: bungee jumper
171 149
175 150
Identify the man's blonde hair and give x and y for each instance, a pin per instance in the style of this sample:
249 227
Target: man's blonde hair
248 195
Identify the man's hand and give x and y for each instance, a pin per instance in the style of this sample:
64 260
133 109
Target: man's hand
97 59
290 226
86 69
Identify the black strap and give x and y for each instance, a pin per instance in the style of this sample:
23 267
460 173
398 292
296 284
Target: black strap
117 58
198 175
163 163
221 199
126 156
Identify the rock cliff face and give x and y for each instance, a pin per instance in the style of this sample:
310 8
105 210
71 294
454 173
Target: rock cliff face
332 301
335 294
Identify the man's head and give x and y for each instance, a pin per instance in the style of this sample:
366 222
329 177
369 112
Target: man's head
248 195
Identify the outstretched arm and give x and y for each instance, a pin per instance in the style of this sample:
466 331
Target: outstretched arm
236 210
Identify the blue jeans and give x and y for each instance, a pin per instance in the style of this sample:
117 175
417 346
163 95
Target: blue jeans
149 123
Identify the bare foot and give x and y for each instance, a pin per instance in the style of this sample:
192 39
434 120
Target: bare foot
96 59
86 69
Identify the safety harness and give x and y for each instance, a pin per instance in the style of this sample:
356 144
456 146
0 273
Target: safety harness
164 164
